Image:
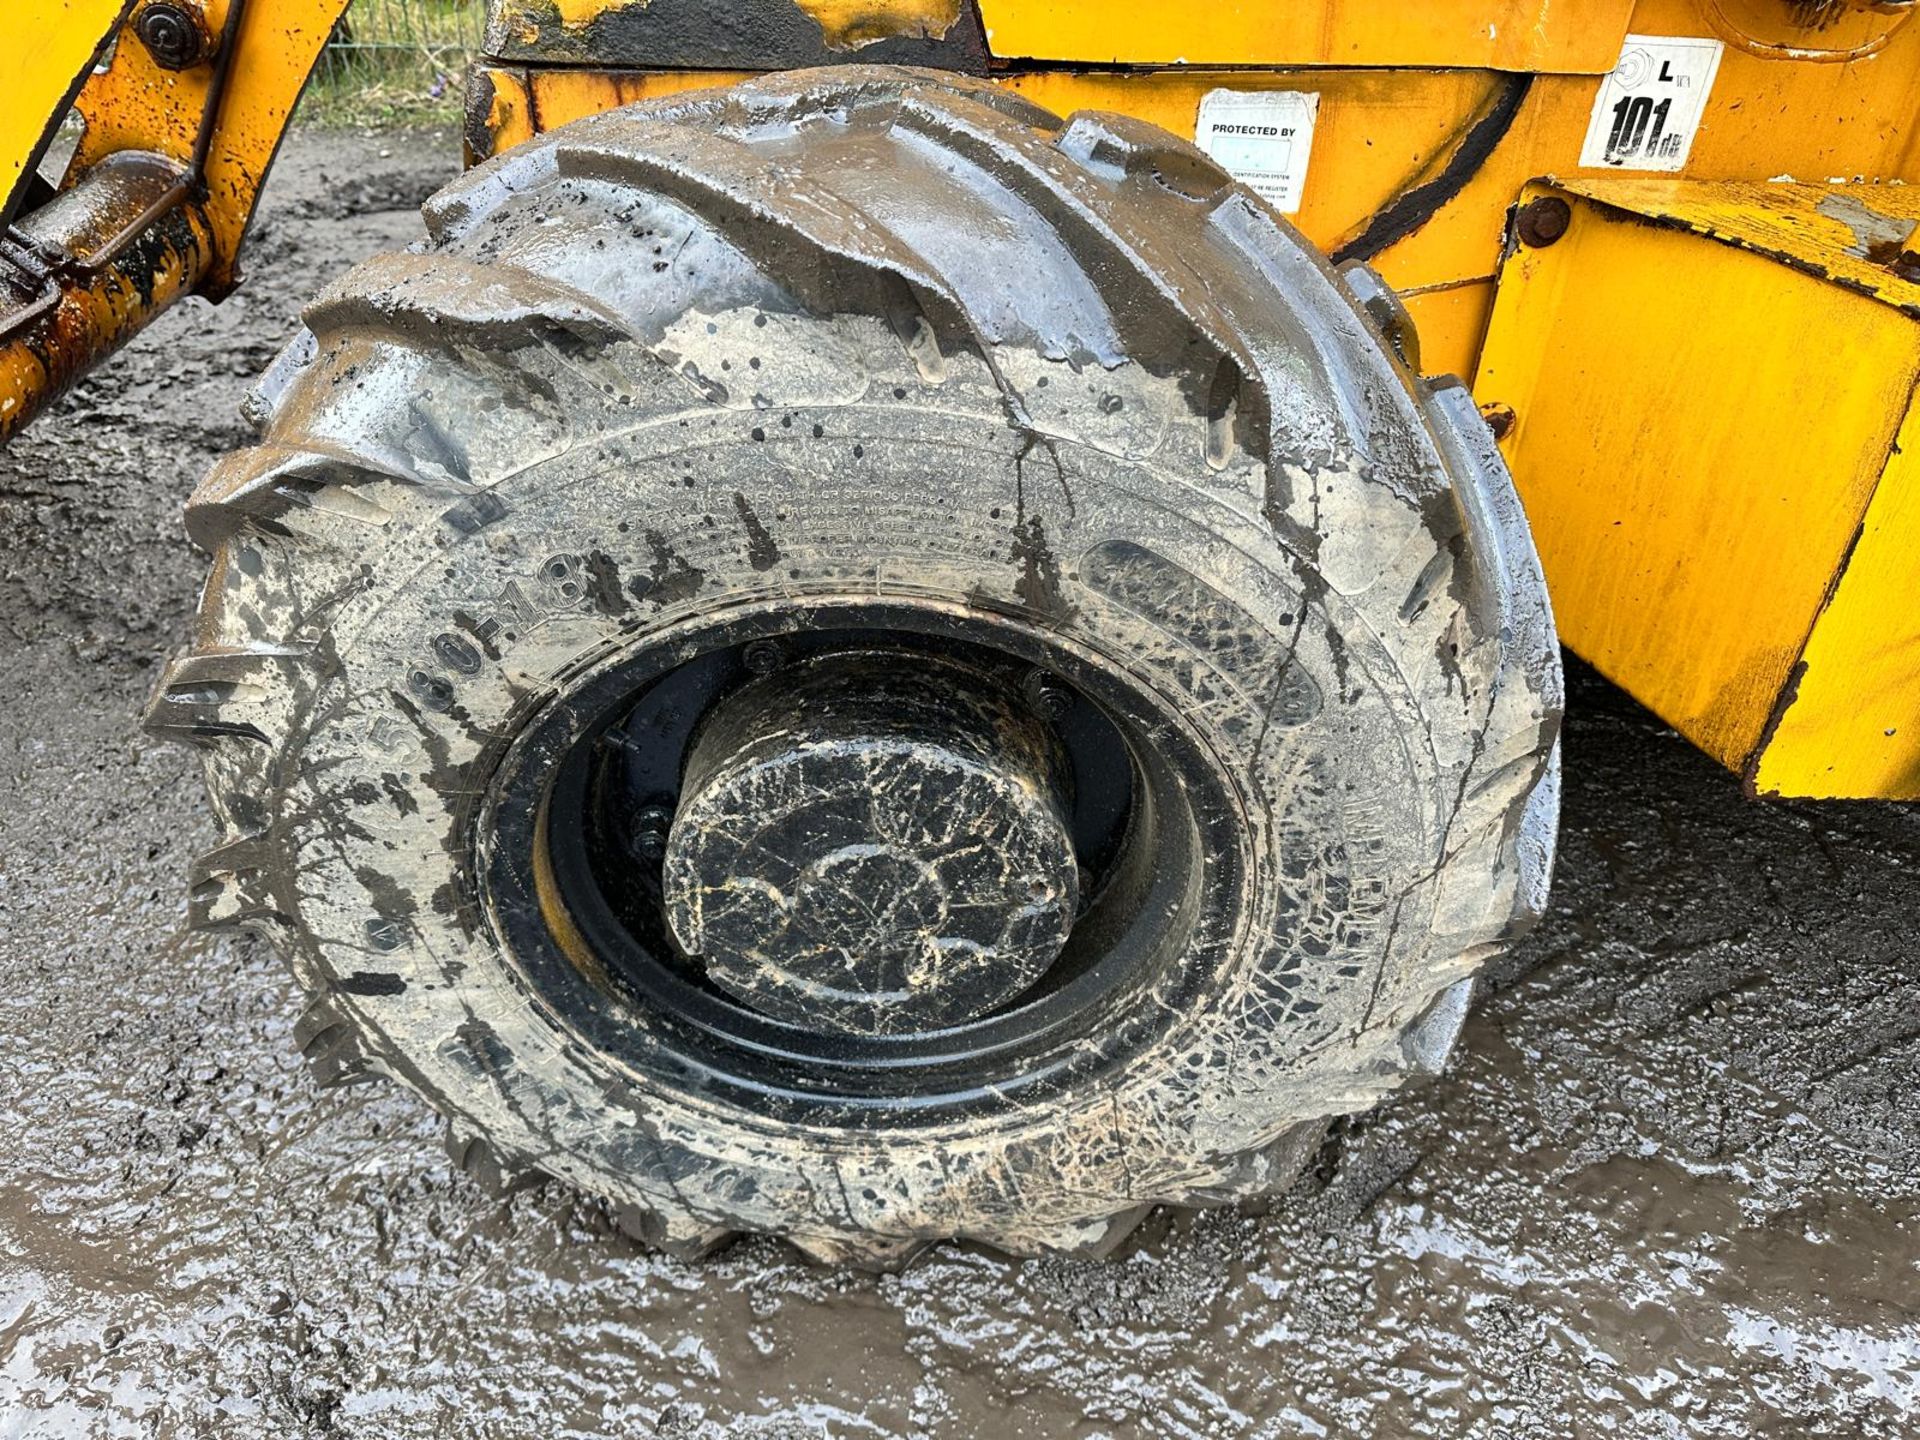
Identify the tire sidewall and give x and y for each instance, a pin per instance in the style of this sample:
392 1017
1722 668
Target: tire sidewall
932 499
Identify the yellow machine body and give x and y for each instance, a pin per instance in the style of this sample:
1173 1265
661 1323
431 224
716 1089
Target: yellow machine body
167 164
1411 99
1714 433
1724 539
1705 428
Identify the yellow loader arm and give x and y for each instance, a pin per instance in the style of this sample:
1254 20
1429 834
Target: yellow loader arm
182 105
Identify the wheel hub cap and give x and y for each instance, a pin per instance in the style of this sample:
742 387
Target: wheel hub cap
873 844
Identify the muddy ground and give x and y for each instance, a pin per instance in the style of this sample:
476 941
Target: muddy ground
1670 1187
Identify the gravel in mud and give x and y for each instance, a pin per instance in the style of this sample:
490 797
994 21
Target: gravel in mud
1669 1187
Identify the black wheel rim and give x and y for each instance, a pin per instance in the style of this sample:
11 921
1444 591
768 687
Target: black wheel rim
1164 852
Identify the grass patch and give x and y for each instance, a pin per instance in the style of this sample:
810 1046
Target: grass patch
395 62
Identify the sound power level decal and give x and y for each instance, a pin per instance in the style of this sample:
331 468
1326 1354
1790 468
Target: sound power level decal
1649 109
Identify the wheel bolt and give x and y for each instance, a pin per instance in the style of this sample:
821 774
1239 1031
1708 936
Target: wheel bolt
1048 694
1543 221
762 657
175 34
649 837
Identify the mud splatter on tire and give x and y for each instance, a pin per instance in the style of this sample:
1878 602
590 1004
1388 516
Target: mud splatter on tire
890 337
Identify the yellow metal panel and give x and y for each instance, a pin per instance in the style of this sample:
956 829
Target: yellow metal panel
1495 34
1696 451
1378 131
1766 118
39 66
279 43
1451 320
1851 725
1852 235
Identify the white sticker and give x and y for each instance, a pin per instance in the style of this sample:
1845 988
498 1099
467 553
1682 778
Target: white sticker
1648 110
1263 138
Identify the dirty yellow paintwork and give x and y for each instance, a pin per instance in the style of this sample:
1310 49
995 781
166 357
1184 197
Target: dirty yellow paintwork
1382 131
1708 382
39 64
1826 34
136 105
1429 110
181 231
96 313
579 12
849 24
844 24
1854 234
1495 34
1852 725
1451 320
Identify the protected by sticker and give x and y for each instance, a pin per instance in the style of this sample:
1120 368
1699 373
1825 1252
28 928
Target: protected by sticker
1648 110
1263 138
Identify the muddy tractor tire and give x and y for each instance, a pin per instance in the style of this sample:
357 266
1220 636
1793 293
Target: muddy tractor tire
847 658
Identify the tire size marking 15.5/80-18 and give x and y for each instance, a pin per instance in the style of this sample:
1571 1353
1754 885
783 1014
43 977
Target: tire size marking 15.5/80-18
495 628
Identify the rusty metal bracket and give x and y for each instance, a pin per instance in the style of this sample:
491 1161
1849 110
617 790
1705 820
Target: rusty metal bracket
55 261
192 181
26 279
90 267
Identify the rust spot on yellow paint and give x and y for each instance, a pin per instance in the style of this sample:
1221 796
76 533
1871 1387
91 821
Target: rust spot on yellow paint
849 24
